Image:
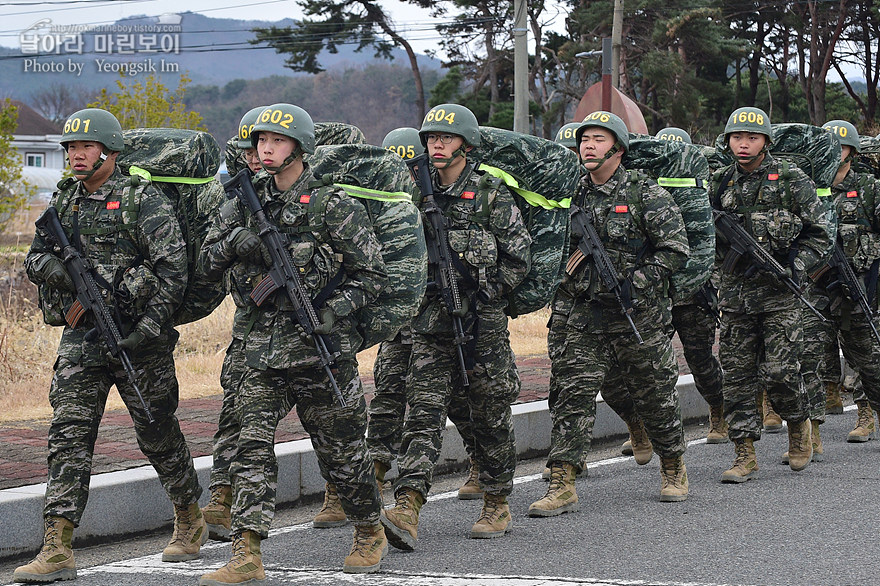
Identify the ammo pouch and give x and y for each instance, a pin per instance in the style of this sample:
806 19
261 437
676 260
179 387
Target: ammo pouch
778 229
138 285
867 251
54 304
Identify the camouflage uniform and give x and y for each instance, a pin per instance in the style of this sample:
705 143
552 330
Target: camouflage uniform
101 224
589 340
761 331
487 233
281 363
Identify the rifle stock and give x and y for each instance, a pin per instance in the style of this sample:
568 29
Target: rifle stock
851 285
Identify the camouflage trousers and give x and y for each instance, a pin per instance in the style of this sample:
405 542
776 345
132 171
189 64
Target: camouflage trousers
862 353
78 395
696 331
388 407
337 435
433 380
761 351
820 344
584 362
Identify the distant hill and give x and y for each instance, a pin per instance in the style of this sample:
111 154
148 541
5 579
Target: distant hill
212 51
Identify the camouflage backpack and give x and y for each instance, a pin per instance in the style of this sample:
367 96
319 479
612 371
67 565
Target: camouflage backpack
869 159
182 163
542 175
683 170
382 182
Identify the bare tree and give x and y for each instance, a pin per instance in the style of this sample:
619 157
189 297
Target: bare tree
59 100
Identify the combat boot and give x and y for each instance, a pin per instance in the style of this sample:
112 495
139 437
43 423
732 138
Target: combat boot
626 448
367 551
331 513
642 449
745 466
401 522
245 567
717 426
800 445
218 513
190 534
55 560
673 480
772 420
471 490
561 496
833 402
495 519
864 429
816 439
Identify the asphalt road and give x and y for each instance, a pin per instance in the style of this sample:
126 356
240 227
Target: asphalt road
816 527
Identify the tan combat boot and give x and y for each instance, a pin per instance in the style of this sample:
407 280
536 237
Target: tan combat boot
833 402
218 513
561 496
717 426
401 522
367 551
642 449
190 534
626 448
331 513
864 429
245 567
55 560
673 480
495 519
745 466
471 490
800 445
772 420
816 439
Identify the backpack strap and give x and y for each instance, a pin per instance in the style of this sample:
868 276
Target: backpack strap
723 178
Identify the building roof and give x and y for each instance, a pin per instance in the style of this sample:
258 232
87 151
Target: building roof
33 124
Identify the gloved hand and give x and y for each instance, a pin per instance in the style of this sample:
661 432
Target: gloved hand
244 242
796 276
55 275
133 342
328 320
464 309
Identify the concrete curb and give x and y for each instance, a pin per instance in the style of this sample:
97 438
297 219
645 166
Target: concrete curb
133 501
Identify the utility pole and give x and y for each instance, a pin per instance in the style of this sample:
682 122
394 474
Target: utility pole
520 68
616 42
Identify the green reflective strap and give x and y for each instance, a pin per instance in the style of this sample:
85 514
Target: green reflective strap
364 193
133 170
533 199
679 182
508 179
823 191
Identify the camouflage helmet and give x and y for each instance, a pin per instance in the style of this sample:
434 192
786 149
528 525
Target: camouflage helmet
749 119
405 142
288 120
845 132
565 135
451 119
608 121
93 124
673 134
246 126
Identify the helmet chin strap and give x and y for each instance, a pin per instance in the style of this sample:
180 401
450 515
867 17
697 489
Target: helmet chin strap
275 169
459 152
852 156
611 152
88 174
751 159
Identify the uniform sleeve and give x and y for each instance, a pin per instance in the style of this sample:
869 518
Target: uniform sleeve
161 240
665 231
39 253
217 253
352 236
819 231
514 241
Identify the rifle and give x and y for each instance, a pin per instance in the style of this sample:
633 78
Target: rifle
282 274
437 239
89 298
742 243
850 283
590 245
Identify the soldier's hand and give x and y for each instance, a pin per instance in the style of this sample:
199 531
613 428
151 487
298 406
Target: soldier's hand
244 242
464 309
328 320
132 342
55 275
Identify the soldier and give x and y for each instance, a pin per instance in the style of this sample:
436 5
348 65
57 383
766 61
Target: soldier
328 237
761 333
388 406
129 233
589 337
240 152
490 256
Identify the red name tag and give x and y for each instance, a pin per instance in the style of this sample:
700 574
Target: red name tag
305 198
852 193
467 195
112 205
773 176
621 209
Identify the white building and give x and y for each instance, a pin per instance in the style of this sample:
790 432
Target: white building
36 140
